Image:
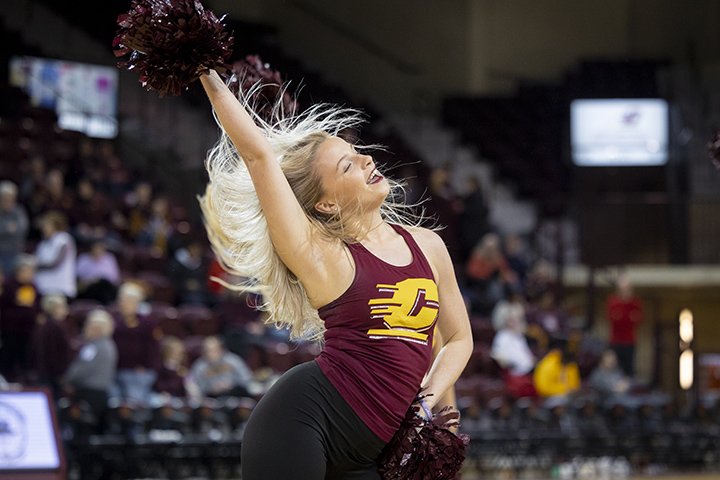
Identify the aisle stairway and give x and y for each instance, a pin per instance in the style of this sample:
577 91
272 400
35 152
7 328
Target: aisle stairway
440 146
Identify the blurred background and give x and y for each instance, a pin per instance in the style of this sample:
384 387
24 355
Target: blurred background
562 144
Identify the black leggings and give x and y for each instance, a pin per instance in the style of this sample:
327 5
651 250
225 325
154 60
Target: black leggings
302 429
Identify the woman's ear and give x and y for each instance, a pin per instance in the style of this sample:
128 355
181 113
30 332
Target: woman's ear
328 208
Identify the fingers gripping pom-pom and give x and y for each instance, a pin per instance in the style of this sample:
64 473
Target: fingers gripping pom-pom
714 149
424 449
266 85
170 43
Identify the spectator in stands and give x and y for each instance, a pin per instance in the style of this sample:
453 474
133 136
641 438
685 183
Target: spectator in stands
215 285
624 314
444 206
91 375
557 373
562 420
98 274
90 213
608 379
510 349
544 311
138 205
53 195
56 257
488 275
33 178
219 373
514 301
117 179
216 272
474 220
188 271
240 413
591 421
650 416
540 280
137 339
19 307
517 256
503 418
90 163
210 419
173 371
13 227
158 229
620 415
475 418
50 347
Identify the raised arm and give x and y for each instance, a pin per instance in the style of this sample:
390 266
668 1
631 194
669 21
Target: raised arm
247 137
289 227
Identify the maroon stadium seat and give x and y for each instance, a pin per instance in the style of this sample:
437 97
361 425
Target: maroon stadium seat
199 319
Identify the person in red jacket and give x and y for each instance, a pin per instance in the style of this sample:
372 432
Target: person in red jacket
624 314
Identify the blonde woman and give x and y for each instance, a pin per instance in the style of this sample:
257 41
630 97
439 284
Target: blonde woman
310 218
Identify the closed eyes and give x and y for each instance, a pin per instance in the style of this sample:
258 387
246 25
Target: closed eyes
349 163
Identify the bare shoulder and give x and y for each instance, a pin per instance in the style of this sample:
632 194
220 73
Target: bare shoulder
434 248
428 240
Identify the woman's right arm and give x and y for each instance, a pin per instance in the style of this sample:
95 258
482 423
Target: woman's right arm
289 227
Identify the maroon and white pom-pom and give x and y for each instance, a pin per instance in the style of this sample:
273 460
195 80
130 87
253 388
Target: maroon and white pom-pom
268 90
424 449
170 43
714 149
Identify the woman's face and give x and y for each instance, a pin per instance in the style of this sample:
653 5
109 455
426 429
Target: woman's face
347 176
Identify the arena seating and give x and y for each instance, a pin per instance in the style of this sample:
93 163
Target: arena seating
179 439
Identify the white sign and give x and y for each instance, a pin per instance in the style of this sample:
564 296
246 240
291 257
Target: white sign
27 434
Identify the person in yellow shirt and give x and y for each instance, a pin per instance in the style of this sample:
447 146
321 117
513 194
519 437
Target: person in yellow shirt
557 373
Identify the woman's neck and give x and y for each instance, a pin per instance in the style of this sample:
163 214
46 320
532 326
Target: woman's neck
378 230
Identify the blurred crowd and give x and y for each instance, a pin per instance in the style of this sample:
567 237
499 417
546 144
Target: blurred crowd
109 296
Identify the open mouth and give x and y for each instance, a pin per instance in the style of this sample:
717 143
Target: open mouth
375 177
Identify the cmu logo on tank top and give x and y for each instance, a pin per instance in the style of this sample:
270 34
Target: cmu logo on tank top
409 312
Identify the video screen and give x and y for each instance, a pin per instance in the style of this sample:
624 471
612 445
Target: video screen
619 132
83 96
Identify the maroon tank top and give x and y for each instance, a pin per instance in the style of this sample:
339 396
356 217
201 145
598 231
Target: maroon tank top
378 339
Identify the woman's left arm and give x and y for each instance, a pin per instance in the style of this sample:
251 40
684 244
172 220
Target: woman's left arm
453 323
448 399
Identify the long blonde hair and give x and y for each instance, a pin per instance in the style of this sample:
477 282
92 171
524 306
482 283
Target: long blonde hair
238 230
